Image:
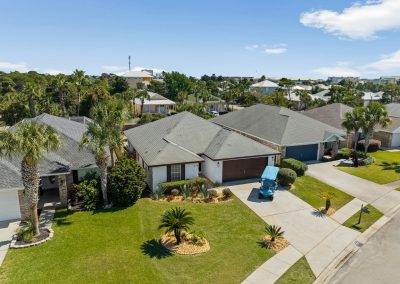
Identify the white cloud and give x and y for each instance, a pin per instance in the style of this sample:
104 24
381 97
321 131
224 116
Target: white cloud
8 66
275 50
252 46
338 70
388 62
360 21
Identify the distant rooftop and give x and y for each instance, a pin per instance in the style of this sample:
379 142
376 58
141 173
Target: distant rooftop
137 74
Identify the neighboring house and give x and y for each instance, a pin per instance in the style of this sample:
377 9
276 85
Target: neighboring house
184 146
292 133
323 95
266 87
390 136
333 115
369 97
336 80
58 170
135 77
156 104
213 104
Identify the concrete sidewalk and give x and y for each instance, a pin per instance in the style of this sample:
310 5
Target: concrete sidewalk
7 230
382 197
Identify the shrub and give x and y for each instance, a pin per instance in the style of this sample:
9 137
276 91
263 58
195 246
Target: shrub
204 190
366 161
89 193
196 182
198 238
150 117
186 190
26 233
212 193
175 192
159 192
126 182
227 193
299 167
374 145
286 176
344 153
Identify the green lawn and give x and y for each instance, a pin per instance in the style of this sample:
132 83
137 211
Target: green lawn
366 220
299 273
385 170
310 190
122 247
398 189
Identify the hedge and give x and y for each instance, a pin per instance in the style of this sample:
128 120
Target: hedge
374 145
286 176
299 167
168 186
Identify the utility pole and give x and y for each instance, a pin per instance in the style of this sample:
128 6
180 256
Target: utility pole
129 63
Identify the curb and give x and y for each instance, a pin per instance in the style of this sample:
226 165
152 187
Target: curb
351 249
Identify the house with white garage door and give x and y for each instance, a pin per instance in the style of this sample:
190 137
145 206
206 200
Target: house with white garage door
58 170
291 133
185 146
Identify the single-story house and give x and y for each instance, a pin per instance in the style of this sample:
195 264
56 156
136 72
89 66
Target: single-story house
156 104
294 134
390 136
213 104
135 77
333 115
369 97
185 146
266 87
58 170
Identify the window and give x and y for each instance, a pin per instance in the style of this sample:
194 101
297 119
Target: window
199 167
175 172
146 108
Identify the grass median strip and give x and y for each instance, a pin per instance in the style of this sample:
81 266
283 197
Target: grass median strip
311 190
299 273
367 219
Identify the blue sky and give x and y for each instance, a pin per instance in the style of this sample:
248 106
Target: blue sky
296 38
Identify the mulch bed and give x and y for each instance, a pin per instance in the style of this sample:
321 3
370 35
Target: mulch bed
44 233
278 245
185 247
220 198
330 212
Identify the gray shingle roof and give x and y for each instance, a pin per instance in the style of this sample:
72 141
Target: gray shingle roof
332 114
393 109
181 138
10 177
278 125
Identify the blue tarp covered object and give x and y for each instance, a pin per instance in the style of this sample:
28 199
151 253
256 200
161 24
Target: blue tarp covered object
270 173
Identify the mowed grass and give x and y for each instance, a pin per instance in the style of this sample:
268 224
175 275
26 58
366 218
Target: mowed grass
367 219
299 273
122 247
386 169
310 190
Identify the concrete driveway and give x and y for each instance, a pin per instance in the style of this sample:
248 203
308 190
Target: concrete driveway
316 236
377 261
7 230
382 197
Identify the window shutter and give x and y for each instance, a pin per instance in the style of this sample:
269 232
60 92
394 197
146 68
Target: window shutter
183 171
168 172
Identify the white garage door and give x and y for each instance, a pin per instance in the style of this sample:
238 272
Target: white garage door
9 205
396 140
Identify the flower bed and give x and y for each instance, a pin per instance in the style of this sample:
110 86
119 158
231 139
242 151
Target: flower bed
277 245
45 235
186 247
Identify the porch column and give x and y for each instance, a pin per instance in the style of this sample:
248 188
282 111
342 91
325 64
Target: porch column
63 190
321 150
335 147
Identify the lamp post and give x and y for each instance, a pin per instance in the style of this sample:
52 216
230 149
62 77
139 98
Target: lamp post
364 209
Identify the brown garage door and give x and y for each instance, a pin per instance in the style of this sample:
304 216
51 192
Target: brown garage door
243 169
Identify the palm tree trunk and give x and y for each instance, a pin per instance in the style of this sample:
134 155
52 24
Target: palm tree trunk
30 180
62 102
327 205
112 156
32 106
366 144
101 161
177 236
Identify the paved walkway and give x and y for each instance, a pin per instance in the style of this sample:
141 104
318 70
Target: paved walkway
347 211
311 233
382 197
7 230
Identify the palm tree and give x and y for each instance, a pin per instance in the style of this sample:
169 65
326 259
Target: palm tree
328 196
286 84
374 114
80 80
111 117
31 140
32 91
142 95
353 122
274 232
61 85
176 220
